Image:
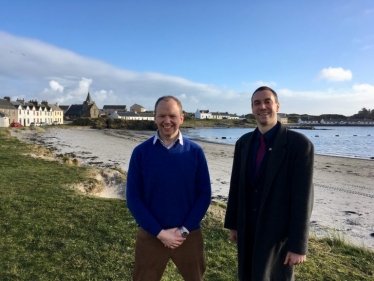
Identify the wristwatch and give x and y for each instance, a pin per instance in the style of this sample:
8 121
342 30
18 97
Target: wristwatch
184 233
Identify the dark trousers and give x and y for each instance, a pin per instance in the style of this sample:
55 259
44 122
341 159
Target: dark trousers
152 257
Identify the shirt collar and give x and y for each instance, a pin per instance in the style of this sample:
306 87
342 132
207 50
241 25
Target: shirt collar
157 137
270 135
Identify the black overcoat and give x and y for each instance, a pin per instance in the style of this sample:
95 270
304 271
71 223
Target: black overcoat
285 209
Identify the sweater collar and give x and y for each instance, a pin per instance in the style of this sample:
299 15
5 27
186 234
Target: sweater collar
157 137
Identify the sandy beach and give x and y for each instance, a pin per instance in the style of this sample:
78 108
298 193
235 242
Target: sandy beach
344 189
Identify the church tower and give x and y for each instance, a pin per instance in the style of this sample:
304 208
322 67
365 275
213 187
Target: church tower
89 100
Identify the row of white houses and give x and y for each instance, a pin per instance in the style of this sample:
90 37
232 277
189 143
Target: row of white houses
199 114
332 121
132 115
206 114
26 113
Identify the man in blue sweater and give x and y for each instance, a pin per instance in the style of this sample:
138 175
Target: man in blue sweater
168 193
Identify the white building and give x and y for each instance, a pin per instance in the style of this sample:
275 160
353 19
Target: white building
308 120
28 112
109 109
332 121
224 115
137 108
203 114
206 114
132 116
57 113
4 120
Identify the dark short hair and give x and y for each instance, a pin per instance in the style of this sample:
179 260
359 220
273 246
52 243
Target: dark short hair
264 88
166 98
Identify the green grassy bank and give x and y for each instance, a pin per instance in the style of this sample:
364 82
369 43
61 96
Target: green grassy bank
49 231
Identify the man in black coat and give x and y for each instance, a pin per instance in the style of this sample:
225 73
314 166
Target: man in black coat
271 195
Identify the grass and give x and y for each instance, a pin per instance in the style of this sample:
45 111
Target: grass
49 231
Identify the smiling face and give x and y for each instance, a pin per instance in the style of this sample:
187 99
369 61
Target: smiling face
265 109
168 118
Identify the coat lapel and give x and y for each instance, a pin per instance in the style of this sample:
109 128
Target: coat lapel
276 157
246 156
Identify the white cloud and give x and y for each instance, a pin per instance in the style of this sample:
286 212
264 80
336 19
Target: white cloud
335 74
59 75
194 99
84 86
327 101
77 75
56 86
259 83
364 91
265 83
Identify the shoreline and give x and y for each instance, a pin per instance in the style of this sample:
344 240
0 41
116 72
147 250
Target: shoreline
346 145
344 193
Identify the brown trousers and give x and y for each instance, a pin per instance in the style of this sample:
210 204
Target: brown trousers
152 257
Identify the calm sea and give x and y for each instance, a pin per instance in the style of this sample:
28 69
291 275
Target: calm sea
354 142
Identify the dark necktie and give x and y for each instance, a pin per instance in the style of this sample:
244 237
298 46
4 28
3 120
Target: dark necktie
261 151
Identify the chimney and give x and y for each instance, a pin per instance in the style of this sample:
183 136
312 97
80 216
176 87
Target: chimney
7 98
21 101
35 102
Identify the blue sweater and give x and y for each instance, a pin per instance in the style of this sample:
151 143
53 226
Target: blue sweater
168 188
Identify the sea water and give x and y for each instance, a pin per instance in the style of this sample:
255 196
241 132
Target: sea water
344 141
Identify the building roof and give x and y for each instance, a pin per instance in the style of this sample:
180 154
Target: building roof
75 109
128 114
64 107
220 113
135 104
55 107
308 119
145 114
334 120
5 104
225 114
359 120
282 115
114 107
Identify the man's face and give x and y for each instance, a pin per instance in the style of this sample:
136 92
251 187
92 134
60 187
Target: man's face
265 108
168 119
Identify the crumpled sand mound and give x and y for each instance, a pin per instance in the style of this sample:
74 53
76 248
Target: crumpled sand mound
104 183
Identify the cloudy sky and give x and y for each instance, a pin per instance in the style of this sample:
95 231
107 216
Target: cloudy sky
318 55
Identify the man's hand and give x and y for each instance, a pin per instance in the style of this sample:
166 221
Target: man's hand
171 237
233 236
294 259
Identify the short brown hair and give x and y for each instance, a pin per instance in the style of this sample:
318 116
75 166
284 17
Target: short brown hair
166 98
264 88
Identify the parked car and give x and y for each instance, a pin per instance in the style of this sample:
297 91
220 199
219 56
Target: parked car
43 124
16 124
32 124
55 123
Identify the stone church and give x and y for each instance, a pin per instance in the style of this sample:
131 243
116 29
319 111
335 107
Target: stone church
87 109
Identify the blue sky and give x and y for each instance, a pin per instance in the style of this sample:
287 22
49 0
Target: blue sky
318 55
